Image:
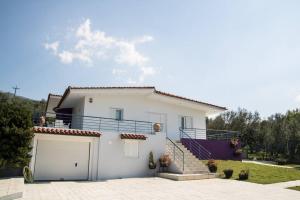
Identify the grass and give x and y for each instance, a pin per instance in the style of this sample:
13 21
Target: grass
260 173
295 188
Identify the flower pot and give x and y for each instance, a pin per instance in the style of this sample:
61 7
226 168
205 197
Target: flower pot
156 127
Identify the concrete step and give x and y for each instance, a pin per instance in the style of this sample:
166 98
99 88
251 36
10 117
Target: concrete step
186 177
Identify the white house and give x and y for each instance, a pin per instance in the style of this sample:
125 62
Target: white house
95 133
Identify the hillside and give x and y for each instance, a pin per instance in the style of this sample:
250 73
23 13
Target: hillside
34 106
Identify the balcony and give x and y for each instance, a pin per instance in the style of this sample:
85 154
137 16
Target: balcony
210 134
72 121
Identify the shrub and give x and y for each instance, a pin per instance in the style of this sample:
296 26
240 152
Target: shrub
164 160
212 166
238 152
27 175
244 174
281 161
228 173
152 164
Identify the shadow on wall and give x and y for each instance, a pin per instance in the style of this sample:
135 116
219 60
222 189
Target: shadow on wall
220 149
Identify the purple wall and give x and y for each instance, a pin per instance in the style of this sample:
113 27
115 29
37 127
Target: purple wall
220 149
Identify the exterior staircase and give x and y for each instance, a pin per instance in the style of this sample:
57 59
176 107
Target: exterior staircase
192 165
185 165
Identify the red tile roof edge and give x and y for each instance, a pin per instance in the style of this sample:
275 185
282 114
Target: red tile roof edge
133 136
62 131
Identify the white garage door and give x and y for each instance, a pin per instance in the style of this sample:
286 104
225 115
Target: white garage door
61 160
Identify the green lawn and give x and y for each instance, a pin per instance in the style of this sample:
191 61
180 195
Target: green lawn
295 188
260 173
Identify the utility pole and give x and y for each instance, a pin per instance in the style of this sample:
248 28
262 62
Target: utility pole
16 88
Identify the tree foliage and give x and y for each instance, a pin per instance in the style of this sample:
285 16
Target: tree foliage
277 136
15 133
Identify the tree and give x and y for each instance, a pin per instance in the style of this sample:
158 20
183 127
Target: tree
15 133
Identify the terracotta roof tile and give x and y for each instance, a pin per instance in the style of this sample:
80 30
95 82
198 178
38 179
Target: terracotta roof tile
133 136
62 131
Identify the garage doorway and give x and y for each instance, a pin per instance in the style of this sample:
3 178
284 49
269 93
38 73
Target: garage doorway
62 160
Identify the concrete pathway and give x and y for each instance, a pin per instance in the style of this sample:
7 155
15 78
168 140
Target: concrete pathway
265 163
11 188
157 188
286 184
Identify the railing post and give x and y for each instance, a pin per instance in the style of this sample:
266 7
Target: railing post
183 162
118 125
135 126
99 124
173 152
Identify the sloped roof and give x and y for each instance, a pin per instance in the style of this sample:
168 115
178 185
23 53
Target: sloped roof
141 87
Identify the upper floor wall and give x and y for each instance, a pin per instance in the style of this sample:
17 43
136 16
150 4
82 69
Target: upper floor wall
134 107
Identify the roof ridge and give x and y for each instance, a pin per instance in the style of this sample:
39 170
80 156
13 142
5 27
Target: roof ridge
111 87
185 98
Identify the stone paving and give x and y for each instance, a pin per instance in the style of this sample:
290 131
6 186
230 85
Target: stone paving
11 188
157 188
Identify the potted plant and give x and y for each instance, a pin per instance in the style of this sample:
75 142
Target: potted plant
212 166
244 174
228 173
238 152
156 127
152 163
234 142
164 160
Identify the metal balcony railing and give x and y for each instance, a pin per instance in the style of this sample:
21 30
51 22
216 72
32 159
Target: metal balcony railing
194 145
73 121
211 134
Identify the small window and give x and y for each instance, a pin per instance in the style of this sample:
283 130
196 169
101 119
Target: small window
131 148
117 113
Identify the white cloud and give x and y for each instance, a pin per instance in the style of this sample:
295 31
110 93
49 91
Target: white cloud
92 45
52 46
118 71
298 98
66 57
146 71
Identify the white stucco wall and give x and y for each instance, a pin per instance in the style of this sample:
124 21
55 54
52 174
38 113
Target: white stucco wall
114 164
107 160
139 107
78 112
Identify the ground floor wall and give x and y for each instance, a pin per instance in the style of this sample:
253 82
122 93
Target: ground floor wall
106 156
114 164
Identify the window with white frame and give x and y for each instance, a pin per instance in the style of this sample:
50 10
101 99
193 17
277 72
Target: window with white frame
117 113
131 148
185 122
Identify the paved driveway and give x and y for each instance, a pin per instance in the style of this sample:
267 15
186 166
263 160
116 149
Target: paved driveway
157 188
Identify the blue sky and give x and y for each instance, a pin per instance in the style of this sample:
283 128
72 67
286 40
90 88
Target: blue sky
230 53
